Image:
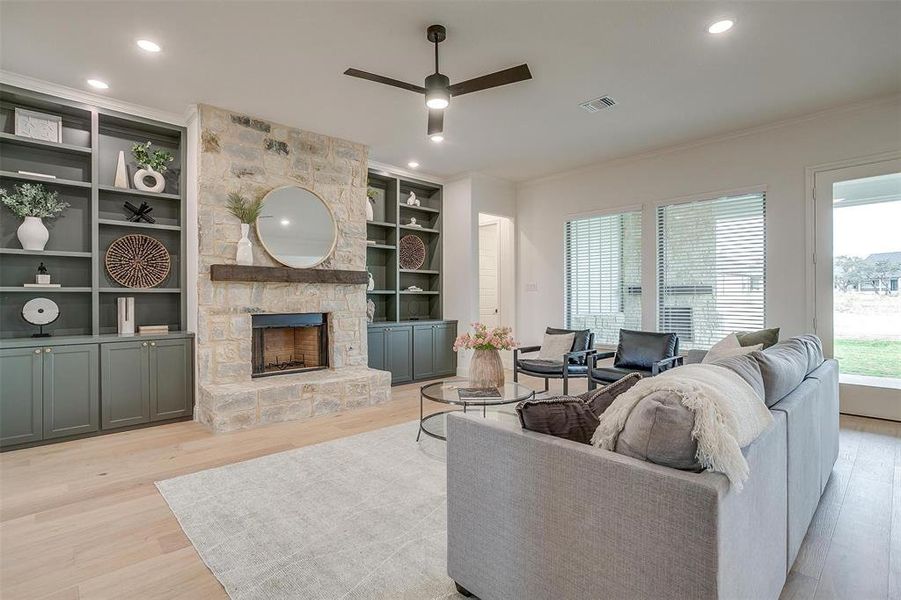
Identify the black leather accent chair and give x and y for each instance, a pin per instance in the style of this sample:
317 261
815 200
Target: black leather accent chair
573 364
644 352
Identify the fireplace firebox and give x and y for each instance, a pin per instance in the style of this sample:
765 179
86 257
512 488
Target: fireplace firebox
289 343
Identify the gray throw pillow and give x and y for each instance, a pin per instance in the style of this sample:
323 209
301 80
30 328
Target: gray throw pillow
783 368
767 337
564 417
746 367
601 399
658 430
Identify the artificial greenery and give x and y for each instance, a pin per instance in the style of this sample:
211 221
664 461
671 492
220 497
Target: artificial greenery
372 193
156 160
247 211
33 200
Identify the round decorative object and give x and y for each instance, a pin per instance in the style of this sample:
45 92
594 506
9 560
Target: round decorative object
159 183
137 261
412 252
297 227
40 311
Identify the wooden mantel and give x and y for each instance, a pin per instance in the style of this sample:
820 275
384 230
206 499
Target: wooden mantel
285 275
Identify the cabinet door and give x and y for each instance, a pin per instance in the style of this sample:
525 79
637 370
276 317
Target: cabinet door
375 340
126 384
171 379
423 351
21 408
444 357
398 353
71 390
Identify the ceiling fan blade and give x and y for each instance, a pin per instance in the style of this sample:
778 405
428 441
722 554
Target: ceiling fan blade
386 80
436 120
511 75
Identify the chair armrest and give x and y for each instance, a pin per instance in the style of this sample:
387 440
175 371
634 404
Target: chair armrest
578 353
594 358
663 365
525 350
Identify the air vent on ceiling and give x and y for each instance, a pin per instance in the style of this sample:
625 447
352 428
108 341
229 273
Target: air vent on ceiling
597 104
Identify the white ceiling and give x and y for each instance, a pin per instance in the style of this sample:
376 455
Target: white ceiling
672 80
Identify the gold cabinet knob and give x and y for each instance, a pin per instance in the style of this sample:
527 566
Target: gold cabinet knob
47 349
144 344
37 351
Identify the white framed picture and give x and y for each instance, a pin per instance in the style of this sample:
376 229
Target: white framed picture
39 126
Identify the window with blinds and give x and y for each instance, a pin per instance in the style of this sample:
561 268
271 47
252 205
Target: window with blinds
711 268
602 265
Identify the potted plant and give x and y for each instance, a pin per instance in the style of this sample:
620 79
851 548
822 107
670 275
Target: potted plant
153 165
33 202
246 211
486 368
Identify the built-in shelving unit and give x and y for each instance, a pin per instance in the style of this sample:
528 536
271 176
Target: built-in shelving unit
391 221
82 170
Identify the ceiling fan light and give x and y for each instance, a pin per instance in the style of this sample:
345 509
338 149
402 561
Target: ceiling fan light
437 99
437 138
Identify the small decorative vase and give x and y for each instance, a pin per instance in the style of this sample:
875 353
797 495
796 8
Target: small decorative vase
486 369
371 284
126 316
121 172
142 174
369 215
370 310
33 235
245 248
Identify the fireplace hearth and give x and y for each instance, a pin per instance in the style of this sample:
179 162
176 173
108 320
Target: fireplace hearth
289 343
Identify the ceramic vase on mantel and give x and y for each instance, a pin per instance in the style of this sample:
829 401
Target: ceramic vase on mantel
486 369
32 234
245 248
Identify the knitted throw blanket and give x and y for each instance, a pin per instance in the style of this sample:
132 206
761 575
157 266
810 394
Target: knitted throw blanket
728 415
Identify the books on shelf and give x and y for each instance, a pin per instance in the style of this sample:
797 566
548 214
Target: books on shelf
41 285
152 329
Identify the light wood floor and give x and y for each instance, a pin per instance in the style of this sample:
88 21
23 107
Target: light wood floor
83 519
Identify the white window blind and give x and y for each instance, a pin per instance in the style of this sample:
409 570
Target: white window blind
711 268
602 265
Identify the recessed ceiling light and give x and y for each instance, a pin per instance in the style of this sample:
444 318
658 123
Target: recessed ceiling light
285 222
721 26
437 138
148 46
413 164
96 83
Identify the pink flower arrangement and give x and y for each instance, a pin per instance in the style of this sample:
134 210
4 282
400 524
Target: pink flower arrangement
499 338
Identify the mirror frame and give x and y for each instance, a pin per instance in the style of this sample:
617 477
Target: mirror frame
331 214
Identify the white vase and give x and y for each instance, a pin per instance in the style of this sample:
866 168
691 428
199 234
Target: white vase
371 284
369 215
121 173
159 182
126 316
245 248
33 235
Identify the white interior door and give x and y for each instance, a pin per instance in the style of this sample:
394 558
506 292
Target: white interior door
858 283
489 274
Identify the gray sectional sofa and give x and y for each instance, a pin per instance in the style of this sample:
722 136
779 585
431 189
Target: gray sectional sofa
531 516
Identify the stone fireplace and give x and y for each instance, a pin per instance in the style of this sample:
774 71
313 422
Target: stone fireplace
236 388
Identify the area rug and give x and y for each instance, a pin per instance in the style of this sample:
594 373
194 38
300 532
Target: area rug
360 517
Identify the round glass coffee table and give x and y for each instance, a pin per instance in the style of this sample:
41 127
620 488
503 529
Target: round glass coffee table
461 393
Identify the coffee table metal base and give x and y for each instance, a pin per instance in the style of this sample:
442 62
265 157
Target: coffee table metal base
439 414
437 392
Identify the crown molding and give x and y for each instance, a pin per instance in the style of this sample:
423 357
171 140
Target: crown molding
393 170
61 91
623 160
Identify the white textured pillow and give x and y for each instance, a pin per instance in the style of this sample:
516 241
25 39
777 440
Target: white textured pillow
726 347
555 345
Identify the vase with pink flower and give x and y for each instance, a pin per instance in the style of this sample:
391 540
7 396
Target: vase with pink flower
486 368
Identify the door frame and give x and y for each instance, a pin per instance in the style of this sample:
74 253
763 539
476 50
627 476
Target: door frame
859 399
495 222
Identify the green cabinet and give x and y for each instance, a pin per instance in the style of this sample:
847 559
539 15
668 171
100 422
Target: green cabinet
413 351
21 399
146 381
48 392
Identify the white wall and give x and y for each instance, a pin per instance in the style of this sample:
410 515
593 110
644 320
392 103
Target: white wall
775 157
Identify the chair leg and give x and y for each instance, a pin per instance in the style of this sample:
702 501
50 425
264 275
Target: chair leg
566 386
546 384
591 384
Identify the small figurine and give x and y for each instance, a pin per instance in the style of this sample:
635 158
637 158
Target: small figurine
412 201
413 222
370 310
43 276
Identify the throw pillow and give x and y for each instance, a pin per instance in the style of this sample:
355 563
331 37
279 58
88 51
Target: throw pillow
783 368
721 348
581 341
767 337
555 346
601 399
658 430
564 417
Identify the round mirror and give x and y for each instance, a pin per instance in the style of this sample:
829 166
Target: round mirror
296 227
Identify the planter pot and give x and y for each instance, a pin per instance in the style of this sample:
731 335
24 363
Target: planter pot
159 183
33 235
245 248
486 369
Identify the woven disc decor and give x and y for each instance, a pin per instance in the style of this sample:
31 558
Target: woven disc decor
137 261
412 252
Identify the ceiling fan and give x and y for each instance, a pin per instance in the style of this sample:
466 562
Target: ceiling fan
438 89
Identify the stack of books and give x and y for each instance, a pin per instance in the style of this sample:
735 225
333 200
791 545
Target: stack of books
153 329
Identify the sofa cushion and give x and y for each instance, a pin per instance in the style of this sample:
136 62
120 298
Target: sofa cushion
598 400
814 348
641 349
767 337
658 430
555 345
581 341
746 367
782 367
565 417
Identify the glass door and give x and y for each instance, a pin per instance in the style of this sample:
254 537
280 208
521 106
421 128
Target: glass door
858 283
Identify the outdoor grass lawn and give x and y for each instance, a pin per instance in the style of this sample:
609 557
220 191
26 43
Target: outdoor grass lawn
869 357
